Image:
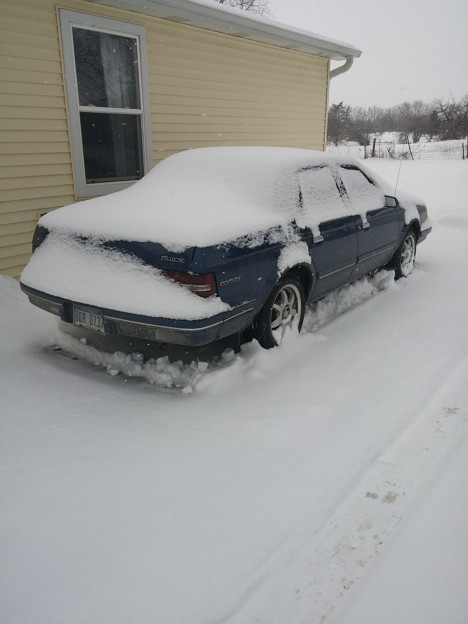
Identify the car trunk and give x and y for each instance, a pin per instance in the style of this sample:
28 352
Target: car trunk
131 277
154 254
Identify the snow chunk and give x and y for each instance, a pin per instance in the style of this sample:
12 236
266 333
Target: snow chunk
85 272
160 372
296 253
410 204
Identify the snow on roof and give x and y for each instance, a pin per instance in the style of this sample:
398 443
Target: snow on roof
198 197
219 18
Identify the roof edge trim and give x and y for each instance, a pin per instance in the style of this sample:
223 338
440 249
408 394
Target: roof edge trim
234 22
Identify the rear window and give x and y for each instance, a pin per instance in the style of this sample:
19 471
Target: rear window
321 199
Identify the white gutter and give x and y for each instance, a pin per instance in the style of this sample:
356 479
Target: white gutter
342 68
219 18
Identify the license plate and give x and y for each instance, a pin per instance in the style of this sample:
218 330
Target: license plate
88 318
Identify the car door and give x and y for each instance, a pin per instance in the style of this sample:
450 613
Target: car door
328 227
376 223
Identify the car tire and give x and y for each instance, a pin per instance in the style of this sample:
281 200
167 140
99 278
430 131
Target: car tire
403 260
283 310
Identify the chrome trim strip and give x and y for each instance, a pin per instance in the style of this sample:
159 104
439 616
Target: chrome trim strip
29 294
348 266
175 329
50 303
376 253
123 320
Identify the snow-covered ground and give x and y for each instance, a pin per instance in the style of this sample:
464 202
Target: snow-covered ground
322 481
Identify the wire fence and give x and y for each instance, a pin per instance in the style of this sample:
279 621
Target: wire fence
429 150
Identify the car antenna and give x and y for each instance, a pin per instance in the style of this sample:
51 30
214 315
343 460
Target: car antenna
398 176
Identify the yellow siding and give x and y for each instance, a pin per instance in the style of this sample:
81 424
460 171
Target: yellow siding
209 89
35 163
206 89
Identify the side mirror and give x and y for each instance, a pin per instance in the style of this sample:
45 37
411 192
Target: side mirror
391 202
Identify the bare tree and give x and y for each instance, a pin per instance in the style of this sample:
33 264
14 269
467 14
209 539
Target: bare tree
442 120
452 117
363 124
414 120
258 7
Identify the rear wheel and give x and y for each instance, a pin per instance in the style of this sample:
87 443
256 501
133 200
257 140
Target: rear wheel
405 256
283 311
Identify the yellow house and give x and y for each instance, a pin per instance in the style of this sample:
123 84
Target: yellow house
94 93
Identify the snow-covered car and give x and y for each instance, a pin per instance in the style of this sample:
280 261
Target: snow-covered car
216 241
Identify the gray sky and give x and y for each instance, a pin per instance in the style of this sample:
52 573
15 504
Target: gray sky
411 49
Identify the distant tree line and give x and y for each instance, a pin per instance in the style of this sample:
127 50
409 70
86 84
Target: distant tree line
439 120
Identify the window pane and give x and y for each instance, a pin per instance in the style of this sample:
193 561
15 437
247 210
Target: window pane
112 147
321 200
106 69
363 194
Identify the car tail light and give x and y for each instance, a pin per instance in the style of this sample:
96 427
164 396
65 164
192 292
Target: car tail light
202 284
40 234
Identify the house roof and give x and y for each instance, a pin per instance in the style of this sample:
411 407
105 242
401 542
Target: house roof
219 18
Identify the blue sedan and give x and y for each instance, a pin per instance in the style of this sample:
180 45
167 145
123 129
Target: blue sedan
219 241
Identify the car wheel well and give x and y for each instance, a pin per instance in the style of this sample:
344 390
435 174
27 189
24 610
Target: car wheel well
304 273
403 260
416 227
283 309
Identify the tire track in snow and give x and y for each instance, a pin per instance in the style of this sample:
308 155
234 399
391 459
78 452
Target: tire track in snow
319 577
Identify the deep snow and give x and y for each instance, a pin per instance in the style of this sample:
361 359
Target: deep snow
322 481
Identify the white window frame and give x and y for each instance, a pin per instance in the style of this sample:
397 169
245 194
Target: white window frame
68 20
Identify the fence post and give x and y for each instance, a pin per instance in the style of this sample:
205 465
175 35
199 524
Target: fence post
409 147
373 147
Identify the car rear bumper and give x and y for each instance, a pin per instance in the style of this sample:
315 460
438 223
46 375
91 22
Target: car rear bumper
173 331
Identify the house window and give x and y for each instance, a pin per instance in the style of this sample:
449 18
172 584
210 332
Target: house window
105 66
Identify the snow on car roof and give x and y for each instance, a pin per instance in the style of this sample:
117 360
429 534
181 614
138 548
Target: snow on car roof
198 197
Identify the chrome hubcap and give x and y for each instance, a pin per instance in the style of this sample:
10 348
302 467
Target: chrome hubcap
408 253
285 311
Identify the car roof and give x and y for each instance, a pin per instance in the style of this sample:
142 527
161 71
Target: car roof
198 197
